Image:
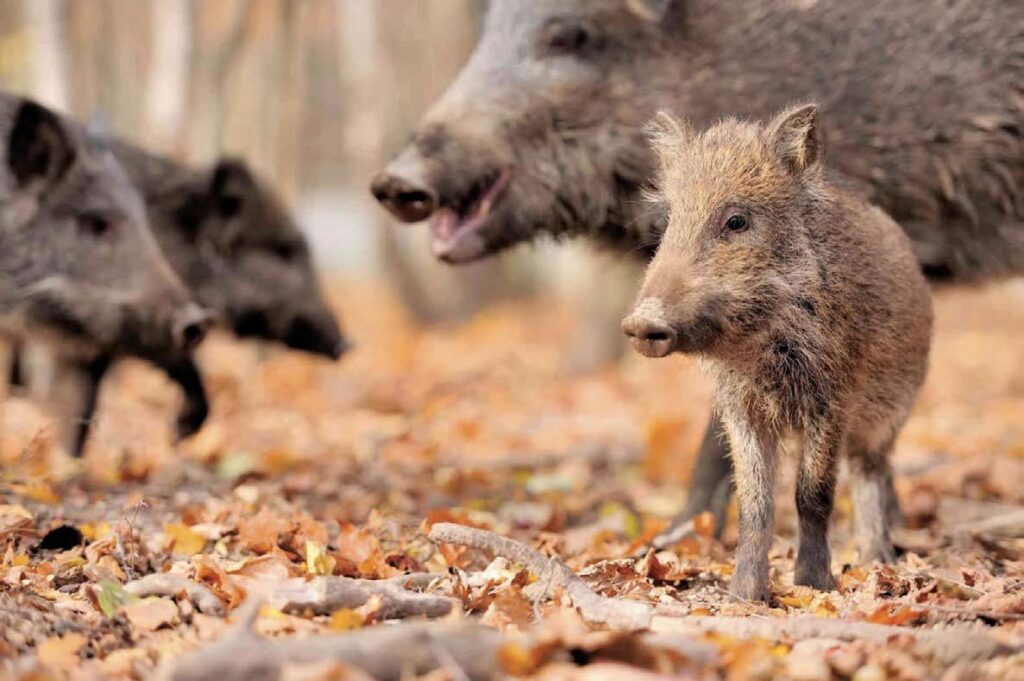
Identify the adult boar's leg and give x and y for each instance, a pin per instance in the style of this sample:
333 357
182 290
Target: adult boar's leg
711 486
196 408
75 395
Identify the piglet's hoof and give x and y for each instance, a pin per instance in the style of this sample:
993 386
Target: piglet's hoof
746 586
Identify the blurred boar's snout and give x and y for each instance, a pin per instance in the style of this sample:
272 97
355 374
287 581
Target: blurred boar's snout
318 334
402 189
651 336
190 326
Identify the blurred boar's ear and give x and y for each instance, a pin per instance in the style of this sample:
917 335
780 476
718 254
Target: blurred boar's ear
667 134
39 150
231 183
796 137
650 10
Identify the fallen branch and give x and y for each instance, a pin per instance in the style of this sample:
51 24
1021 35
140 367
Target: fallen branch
324 595
319 596
383 652
612 612
166 584
946 645
1006 524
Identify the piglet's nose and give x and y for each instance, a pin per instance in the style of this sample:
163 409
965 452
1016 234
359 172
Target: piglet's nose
407 199
190 326
650 337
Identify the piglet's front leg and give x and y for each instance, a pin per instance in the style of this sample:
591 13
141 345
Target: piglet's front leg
815 497
754 453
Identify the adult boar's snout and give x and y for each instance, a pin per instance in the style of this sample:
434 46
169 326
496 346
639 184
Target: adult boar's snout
190 326
650 337
403 191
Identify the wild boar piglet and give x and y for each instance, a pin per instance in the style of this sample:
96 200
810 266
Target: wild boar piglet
808 308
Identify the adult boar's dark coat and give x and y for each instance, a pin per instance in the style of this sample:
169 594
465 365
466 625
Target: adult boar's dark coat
540 134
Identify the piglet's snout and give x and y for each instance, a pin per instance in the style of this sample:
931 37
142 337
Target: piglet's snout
647 329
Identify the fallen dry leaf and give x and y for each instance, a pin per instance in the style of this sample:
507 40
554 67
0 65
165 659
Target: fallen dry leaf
186 541
149 614
62 651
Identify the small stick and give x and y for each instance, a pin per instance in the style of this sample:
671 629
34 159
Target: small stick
383 652
166 584
946 645
615 613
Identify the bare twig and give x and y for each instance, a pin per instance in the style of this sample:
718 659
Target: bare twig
611 612
382 652
131 535
323 595
166 584
320 595
945 645
1005 524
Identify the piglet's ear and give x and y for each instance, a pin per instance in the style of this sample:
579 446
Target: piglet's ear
650 10
795 136
39 151
230 184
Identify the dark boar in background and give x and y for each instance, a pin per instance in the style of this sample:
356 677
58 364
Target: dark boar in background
79 266
540 134
242 256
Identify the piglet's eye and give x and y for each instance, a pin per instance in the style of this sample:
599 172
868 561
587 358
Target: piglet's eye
736 223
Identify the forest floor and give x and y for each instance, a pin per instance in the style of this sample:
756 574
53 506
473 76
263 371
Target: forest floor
326 494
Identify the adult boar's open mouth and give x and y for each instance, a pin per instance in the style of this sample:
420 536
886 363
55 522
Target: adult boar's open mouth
456 230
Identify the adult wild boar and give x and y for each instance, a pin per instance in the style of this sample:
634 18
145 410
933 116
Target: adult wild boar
78 263
540 134
239 252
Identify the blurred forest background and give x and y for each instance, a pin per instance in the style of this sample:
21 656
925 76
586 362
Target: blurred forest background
315 94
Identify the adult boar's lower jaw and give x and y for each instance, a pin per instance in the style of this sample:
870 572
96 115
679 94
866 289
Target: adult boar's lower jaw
456 237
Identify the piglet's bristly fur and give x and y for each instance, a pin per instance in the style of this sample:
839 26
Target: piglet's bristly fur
810 311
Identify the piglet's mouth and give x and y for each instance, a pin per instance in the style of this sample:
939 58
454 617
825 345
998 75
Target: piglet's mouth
455 232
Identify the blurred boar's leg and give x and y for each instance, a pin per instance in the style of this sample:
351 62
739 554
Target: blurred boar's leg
73 399
78 385
196 408
16 369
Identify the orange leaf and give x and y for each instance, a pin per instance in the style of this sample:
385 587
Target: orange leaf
345 619
61 651
260 532
704 524
219 581
516 659
149 614
186 540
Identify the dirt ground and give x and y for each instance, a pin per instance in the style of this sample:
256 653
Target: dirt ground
311 476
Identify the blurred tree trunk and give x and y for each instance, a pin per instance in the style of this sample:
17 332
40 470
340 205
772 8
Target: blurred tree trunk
218 30
167 81
49 64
